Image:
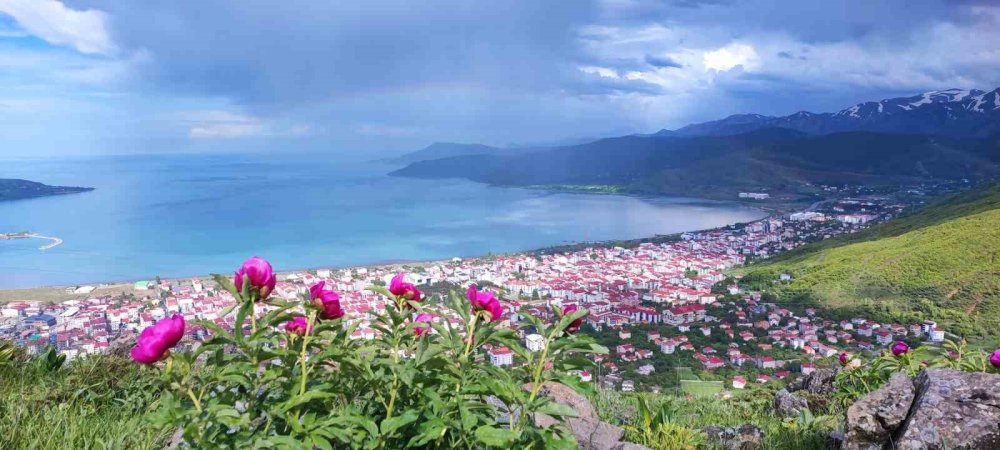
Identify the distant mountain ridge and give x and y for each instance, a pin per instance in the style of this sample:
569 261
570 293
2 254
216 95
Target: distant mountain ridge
16 189
440 150
951 112
938 135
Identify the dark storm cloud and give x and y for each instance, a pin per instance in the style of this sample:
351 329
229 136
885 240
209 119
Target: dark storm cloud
265 53
662 61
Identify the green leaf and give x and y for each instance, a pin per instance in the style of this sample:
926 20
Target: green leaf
392 424
558 410
495 437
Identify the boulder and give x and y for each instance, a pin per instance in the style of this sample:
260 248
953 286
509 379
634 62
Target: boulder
873 419
819 382
121 346
745 437
590 432
787 404
953 410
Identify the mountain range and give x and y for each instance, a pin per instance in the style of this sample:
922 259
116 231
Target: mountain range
951 134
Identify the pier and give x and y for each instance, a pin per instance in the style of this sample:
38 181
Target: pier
25 235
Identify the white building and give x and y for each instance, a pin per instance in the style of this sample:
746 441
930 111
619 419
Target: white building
534 342
502 356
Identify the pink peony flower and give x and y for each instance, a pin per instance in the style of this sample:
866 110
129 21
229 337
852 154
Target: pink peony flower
995 358
574 326
261 276
485 301
297 325
402 289
900 348
327 301
422 318
155 342
844 358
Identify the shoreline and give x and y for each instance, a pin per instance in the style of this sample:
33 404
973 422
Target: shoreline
767 210
282 273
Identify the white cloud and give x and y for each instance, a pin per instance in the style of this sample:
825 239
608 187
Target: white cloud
221 124
730 56
52 21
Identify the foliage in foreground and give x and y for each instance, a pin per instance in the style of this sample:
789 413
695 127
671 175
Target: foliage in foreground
312 386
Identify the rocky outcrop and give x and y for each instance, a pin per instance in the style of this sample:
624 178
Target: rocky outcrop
746 437
873 419
953 410
591 433
787 404
940 409
819 382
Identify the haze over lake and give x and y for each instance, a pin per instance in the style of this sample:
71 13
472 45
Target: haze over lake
186 215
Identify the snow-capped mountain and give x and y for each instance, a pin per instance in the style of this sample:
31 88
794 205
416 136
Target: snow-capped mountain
953 112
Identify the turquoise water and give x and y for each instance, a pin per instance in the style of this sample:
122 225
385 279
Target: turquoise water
183 215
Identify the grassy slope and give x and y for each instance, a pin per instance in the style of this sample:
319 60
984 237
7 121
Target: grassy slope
941 262
97 402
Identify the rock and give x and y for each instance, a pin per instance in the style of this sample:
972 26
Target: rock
835 440
872 419
176 440
746 437
820 382
953 410
121 346
590 432
787 404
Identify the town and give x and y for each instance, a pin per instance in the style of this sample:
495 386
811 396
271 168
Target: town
666 308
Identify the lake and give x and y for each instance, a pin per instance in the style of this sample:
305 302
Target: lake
182 215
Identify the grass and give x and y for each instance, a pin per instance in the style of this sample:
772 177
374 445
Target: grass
941 263
95 403
753 406
701 388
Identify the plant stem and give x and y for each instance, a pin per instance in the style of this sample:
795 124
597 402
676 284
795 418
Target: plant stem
304 353
536 379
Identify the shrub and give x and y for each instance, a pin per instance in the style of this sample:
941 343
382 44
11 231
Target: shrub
267 383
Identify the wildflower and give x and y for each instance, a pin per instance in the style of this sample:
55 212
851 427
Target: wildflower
155 342
260 274
900 348
995 358
328 302
422 318
402 289
298 325
485 301
844 358
954 355
574 326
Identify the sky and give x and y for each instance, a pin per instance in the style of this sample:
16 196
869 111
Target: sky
93 77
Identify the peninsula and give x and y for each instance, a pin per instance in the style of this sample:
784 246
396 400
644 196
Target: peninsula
16 189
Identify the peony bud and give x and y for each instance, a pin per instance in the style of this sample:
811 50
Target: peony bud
900 348
422 318
485 301
402 289
298 325
574 326
328 302
261 276
155 342
995 358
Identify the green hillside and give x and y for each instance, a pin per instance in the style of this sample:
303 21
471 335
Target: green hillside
941 262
